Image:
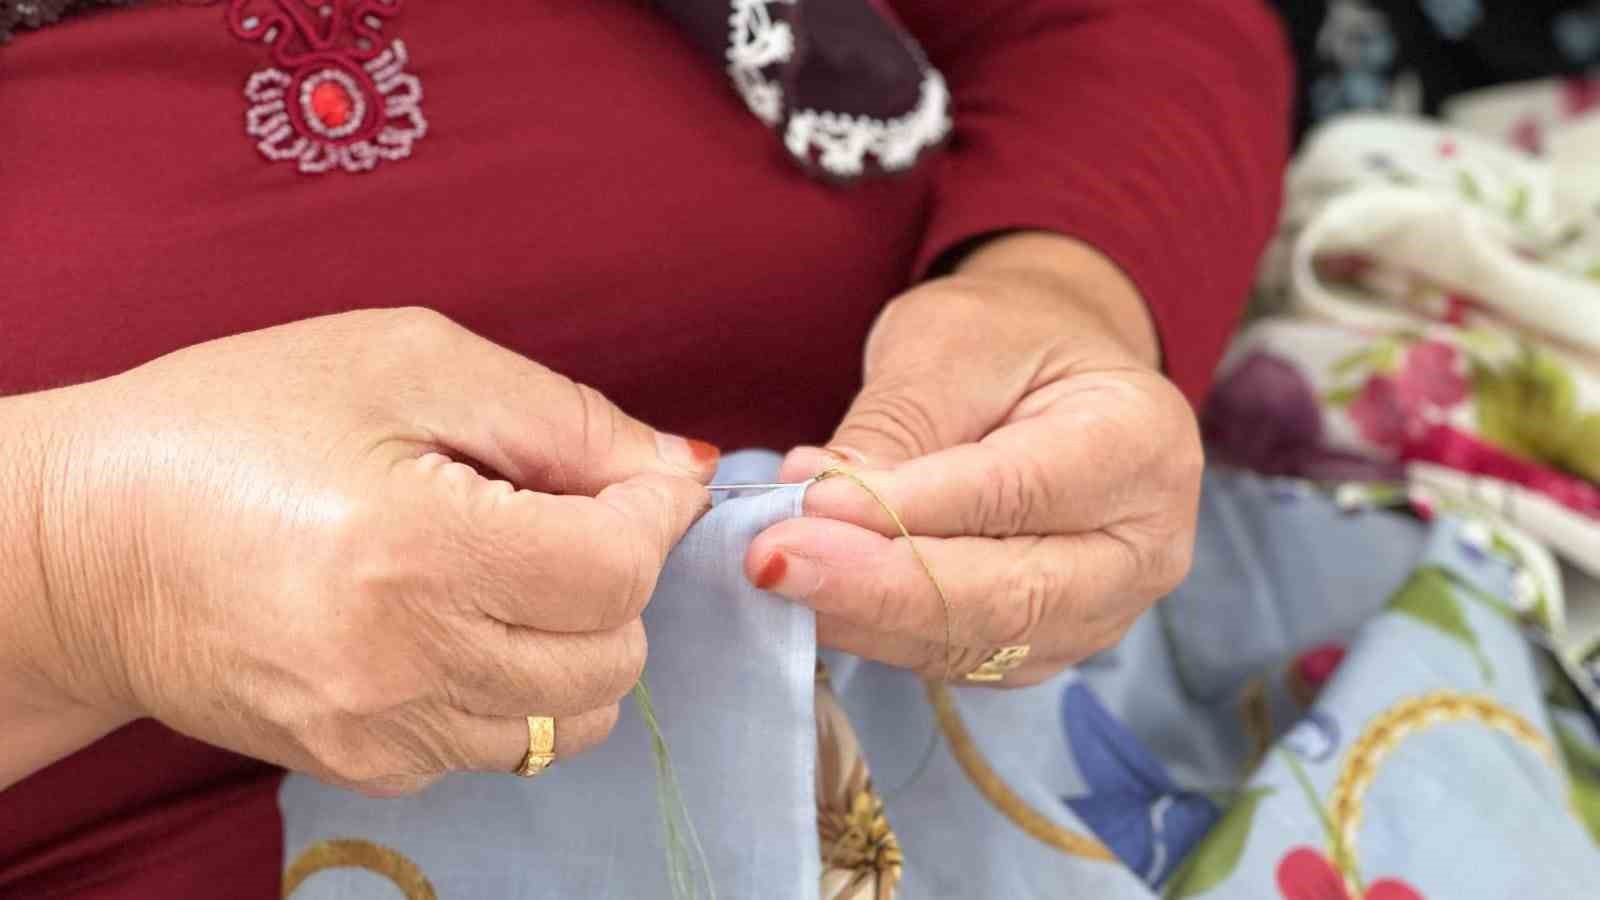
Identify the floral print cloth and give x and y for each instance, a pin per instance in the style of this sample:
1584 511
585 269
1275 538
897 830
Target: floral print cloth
1336 704
1432 316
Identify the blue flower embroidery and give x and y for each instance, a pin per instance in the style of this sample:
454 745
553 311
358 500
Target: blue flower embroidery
1133 806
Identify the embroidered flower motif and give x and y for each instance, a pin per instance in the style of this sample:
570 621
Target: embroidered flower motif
336 98
1305 874
861 857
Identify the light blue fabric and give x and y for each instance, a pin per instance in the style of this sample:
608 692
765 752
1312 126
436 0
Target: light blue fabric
731 671
1182 750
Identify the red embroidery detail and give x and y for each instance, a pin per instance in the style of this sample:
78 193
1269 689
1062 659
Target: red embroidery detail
337 96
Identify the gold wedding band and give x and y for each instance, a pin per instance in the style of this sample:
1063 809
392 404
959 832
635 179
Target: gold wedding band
541 746
999 663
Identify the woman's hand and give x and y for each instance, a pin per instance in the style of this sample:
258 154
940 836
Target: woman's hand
294 544
1014 417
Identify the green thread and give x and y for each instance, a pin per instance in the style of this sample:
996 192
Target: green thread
687 867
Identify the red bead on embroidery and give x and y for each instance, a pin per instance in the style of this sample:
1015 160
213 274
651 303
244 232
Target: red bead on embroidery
331 103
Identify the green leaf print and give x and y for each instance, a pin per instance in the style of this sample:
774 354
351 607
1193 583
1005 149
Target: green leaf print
1583 775
1519 203
1354 362
1582 758
1529 406
1430 597
1217 855
1581 453
1340 397
1469 186
1383 356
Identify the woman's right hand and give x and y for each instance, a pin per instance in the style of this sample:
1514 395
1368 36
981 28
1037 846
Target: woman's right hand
292 543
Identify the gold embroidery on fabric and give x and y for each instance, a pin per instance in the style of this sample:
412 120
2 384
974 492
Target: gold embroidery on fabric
997 792
1401 721
861 857
357 854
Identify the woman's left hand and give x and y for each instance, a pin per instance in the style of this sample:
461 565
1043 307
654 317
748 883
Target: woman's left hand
1014 416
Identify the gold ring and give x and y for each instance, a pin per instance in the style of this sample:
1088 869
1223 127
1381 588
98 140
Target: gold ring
541 747
999 663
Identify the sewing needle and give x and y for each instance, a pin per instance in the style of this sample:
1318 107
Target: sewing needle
753 486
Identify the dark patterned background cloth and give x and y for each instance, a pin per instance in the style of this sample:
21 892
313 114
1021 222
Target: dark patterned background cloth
1412 55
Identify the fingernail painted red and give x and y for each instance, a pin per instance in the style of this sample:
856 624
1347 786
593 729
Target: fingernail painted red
772 571
704 453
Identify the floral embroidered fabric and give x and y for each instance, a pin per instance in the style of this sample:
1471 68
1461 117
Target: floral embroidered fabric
338 96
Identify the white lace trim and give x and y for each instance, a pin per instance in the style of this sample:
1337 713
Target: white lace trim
755 42
839 143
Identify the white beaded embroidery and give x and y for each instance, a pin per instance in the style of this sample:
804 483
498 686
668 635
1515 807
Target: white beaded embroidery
839 143
269 121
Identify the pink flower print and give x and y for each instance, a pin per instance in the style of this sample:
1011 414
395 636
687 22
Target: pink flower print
1528 134
1579 95
1388 408
1377 410
1431 376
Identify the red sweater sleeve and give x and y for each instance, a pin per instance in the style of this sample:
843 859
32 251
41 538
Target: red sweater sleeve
1156 131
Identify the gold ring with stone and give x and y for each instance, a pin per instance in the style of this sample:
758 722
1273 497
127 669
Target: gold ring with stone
999 663
541 747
